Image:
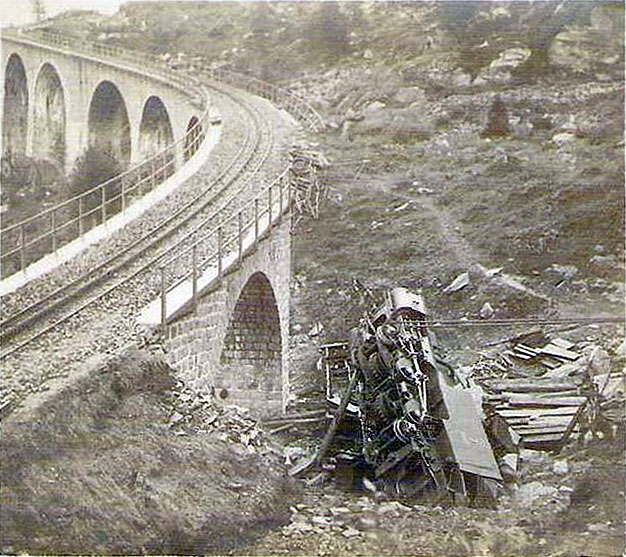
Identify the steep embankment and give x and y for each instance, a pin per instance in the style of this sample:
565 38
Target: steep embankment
126 459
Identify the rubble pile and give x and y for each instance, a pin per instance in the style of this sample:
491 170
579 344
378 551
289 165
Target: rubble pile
308 185
350 519
192 411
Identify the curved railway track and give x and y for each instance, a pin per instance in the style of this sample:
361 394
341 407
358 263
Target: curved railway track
178 230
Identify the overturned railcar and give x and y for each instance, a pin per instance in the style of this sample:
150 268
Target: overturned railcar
405 424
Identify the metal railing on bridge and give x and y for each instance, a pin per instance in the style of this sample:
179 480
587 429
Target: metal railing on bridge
27 241
210 257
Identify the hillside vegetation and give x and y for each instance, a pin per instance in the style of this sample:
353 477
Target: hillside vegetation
283 40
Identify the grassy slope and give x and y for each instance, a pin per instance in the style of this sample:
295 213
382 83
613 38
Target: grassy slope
95 469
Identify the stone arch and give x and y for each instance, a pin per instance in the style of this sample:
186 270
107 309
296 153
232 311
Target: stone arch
109 126
15 110
251 359
49 119
193 137
155 130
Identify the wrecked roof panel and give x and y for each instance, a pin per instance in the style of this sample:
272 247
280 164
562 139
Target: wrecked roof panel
464 428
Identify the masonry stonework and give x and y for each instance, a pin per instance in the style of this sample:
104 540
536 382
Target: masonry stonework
236 340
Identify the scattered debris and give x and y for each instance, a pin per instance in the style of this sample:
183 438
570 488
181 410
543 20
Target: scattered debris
197 411
460 282
316 330
548 390
309 188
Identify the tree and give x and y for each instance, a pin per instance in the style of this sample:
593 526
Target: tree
498 120
94 167
329 31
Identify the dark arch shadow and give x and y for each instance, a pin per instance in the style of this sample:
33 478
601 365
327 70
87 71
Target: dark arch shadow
251 360
109 126
155 130
193 137
15 110
49 116
155 136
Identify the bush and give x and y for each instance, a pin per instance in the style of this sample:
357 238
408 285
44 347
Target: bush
498 120
94 167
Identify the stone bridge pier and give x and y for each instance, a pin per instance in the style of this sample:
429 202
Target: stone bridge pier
236 339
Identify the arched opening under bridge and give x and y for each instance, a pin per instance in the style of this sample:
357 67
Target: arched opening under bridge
15 110
49 117
251 360
193 137
109 126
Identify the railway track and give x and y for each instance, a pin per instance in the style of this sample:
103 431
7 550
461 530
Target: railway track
177 231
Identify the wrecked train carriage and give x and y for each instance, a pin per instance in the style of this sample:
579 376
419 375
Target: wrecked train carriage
406 424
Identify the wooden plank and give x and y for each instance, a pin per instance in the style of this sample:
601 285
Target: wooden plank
537 438
558 352
560 394
524 349
526 412
526 386
562 343
528 349
526 430
519 399
517 422
573 424
550 363
549 421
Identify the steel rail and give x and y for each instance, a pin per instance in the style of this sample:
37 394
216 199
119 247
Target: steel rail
19 321
299 109
291 102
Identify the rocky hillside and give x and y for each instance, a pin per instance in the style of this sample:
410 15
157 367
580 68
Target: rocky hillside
448 43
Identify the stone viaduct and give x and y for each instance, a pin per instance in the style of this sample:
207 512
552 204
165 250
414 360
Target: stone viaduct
56 103
235 338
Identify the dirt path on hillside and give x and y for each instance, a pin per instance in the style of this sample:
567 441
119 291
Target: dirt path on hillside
449 229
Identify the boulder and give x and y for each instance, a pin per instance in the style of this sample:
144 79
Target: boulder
501 69
409 95
565 271
560 467
584 50
376 106
534 457
404 121
486 311
561 139
460 282
534 492
609 262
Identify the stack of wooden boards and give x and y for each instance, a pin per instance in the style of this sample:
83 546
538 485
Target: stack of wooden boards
544 411
557 352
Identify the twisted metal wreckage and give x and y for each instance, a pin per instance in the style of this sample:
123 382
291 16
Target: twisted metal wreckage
402 419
